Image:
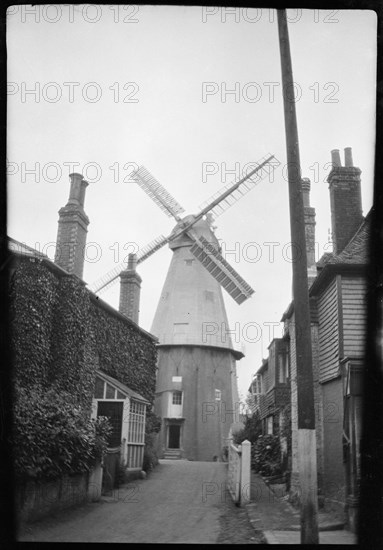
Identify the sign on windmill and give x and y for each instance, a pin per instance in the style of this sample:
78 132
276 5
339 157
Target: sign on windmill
196 357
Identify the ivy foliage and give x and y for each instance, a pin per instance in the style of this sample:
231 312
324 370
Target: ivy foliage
152 427
266 455
53 435
251 431
153 422
60 336
124 352
33 296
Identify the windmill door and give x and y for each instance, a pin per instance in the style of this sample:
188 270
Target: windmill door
174 436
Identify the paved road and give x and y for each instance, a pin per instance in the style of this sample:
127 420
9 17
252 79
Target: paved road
180 502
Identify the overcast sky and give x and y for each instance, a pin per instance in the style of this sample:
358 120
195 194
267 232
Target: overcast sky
193 94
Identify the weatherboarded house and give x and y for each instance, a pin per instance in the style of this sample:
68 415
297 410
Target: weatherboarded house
338 306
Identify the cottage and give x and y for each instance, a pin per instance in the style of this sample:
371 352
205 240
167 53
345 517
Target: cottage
65 338
338 311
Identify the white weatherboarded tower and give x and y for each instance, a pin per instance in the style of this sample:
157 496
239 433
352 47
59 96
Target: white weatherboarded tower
196 388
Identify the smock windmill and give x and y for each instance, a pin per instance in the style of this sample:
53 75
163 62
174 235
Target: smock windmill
196 388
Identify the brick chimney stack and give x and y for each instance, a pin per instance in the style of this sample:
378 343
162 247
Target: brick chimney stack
130 288
345 199
72 228
309 214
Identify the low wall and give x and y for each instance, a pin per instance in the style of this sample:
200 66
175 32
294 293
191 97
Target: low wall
35 500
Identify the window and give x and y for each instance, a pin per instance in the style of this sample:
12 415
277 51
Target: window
269 425
110 392
176 378
104 390
218 395
180 328
257 384
136 430
189 262
283 367
177 398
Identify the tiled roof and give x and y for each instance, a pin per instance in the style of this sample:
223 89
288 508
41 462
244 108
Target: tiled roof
324 259
357 250
23 249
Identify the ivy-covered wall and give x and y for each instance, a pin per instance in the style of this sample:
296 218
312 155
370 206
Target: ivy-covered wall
33 295
60 334
124 352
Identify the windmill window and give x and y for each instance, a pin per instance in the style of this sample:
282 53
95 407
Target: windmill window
189 262
177 398
218 395
180 328
209 295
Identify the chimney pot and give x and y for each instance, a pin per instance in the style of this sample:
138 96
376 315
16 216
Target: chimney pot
348 162
76 189
306 186
132 262
83 185
335 157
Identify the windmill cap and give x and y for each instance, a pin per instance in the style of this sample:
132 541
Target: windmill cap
201 228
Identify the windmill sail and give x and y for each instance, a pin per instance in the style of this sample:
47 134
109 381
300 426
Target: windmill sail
216 205
221 270
224 199
157 192
108 280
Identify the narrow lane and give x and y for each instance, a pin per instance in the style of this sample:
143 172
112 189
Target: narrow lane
180 502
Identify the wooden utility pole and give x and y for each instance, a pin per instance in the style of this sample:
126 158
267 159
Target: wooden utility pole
305 388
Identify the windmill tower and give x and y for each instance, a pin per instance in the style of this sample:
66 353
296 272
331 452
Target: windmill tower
196 387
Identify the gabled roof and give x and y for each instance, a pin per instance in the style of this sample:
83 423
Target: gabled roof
354 258
121 387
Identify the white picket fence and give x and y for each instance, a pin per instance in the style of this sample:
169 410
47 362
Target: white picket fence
238 481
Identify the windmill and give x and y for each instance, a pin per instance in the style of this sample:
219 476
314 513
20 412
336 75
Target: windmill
196 388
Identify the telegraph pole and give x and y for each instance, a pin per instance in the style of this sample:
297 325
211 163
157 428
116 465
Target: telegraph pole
305 388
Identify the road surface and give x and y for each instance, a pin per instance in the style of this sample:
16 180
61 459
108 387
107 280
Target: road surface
180 502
